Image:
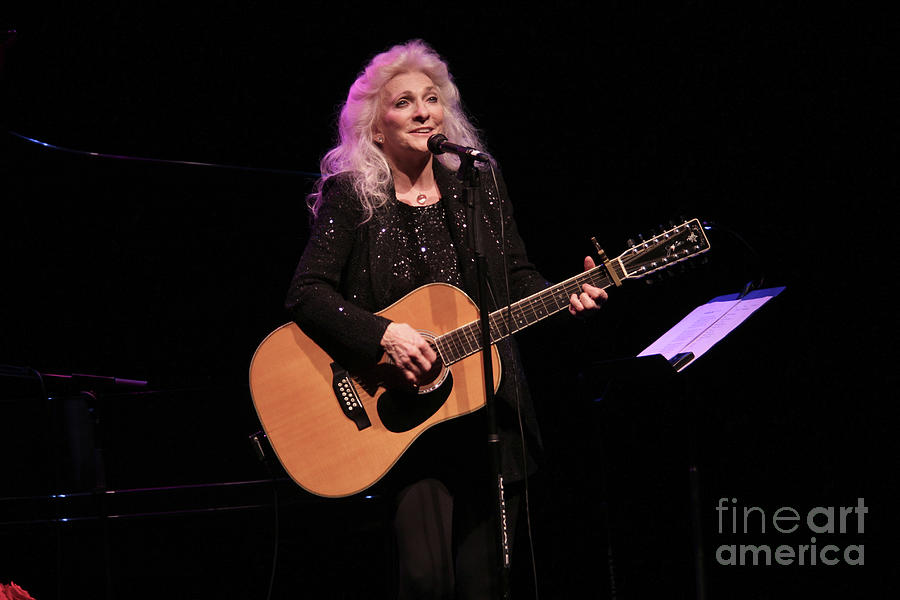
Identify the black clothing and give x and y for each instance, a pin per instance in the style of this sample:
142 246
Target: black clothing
426 251
347 273
445 540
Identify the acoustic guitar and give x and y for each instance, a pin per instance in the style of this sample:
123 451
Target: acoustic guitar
337 432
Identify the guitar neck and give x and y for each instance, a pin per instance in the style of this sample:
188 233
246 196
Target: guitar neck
467 340
662 251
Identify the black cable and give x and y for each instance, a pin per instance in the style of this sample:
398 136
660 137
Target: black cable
55 460
263 458
276 537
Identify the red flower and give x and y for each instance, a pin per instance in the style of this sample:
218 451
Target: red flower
13 592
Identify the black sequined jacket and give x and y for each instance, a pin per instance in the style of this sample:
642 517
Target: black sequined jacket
343 277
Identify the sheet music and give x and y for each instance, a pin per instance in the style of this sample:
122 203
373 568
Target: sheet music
706 325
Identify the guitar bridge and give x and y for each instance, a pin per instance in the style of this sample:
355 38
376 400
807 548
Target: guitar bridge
347 397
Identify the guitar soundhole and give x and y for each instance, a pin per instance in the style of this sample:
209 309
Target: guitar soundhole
401 410
434 378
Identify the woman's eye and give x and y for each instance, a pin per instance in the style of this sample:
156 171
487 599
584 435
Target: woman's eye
401 103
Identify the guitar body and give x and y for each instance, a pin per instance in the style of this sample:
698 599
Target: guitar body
292 382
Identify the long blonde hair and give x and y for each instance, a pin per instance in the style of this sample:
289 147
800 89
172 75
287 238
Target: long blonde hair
357 154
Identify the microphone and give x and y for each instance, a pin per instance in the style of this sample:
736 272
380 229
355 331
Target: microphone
438 144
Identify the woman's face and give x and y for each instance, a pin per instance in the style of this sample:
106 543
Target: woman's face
411 112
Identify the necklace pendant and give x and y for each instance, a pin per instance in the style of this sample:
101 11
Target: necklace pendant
421 198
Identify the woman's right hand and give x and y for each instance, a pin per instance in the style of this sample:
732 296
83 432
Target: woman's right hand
409 351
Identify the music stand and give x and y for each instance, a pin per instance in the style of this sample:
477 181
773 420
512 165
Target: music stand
646 404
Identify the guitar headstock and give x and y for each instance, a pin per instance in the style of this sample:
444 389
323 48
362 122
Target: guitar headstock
664 250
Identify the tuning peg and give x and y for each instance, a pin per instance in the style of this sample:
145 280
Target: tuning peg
629 242
601 254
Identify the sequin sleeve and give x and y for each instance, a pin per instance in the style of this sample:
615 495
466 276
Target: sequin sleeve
317 298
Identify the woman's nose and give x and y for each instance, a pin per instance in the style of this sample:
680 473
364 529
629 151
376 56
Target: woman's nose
422 112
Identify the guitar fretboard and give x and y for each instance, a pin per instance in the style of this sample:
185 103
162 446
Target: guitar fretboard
464 341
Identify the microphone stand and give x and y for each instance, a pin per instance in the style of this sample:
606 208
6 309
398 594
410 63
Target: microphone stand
468 174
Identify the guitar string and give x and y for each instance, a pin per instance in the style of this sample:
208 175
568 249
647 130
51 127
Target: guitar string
640 251
471 333
465 341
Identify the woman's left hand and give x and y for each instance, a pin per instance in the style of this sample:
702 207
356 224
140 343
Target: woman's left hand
590 299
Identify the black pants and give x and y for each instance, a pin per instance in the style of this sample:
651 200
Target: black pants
446 538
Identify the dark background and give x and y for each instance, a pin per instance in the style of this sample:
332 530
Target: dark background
608 120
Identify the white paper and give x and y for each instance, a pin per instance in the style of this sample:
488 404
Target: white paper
706 325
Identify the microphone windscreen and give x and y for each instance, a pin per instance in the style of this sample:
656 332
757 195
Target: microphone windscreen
435 141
